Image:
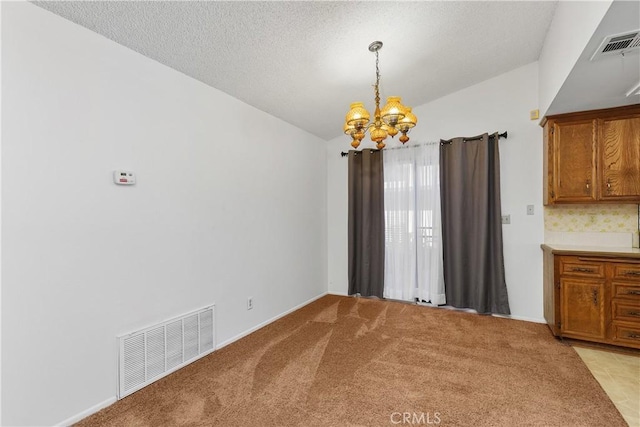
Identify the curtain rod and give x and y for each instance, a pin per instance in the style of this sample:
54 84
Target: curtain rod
474 138
500 135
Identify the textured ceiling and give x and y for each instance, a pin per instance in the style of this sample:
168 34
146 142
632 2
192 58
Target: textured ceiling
305 62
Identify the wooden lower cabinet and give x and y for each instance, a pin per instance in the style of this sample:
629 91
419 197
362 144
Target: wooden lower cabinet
582 306
593 297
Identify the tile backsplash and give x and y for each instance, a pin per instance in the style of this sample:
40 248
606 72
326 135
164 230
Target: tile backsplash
602 218
593 218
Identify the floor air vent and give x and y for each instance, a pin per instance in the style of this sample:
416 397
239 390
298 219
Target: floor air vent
617 44
151 353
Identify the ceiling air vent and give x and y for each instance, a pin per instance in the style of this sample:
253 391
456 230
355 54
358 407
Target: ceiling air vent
618 44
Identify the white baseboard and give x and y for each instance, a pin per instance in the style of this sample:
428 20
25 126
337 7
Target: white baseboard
90 411
468 310
95 408
342 294
504 316
523 318
266 322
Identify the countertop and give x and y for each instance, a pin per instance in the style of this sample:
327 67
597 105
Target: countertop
592 250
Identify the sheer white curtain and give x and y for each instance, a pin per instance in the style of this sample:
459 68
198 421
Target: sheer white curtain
400 274
413 242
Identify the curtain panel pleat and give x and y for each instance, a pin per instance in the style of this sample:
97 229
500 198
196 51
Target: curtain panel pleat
471 224
431 285
366 223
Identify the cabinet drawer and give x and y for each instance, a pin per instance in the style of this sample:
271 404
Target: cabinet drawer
626 311
626 334
627 272
574 266
626 291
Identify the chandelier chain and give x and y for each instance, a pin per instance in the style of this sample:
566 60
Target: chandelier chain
377 82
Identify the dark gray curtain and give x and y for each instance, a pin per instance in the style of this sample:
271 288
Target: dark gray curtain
471 224
366 223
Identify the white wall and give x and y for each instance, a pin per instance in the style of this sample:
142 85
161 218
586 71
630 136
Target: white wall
230 203
574 22
502 103
0 219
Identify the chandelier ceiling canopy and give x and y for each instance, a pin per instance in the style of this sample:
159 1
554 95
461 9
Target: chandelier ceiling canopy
393 118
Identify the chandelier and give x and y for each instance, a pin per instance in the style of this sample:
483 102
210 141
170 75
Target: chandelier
393 118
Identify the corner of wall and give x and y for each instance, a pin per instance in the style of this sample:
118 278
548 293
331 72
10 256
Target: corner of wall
571 29
1 311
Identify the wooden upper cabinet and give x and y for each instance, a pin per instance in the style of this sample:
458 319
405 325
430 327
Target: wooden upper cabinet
593 156
620 158
574 167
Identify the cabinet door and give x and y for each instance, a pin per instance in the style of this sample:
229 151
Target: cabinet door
582 304
574 161
620 158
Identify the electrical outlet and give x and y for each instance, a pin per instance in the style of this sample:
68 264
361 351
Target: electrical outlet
506 219
529 209
249 303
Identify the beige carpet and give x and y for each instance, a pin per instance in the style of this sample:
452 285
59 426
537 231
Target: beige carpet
358 362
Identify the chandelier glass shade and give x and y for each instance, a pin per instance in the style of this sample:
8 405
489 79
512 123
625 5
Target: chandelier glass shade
392 119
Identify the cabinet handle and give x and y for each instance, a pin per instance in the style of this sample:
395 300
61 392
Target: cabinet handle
595 297
633 335
582 270
632 273
587 185
633 313
633 292
608 185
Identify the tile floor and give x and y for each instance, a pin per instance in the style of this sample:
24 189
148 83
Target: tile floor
619 376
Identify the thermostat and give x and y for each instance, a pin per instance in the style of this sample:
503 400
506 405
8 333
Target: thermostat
124 177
